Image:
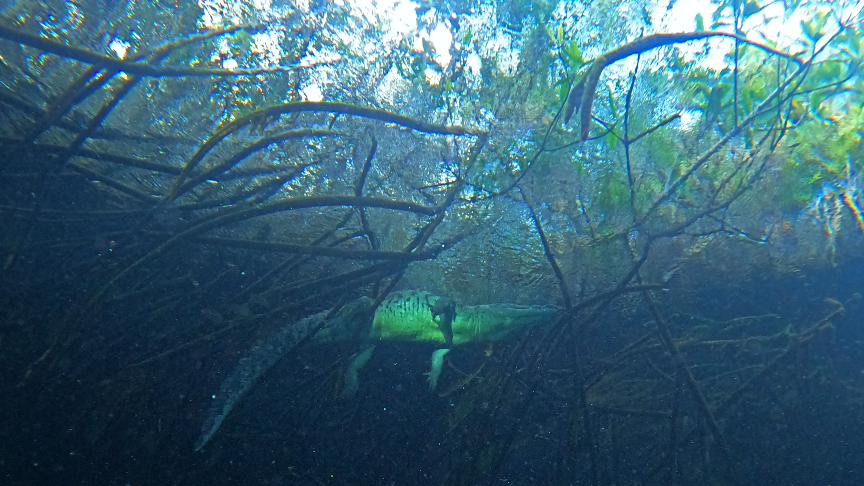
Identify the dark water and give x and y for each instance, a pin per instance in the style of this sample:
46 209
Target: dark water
81 415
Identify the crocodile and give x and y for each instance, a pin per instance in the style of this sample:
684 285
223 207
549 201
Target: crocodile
415 316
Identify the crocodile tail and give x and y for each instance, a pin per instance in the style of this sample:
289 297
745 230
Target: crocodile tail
268 351
262 357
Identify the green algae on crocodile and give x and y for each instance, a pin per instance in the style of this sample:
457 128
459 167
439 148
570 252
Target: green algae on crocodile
410 316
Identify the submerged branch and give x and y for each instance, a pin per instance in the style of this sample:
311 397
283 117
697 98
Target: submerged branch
247 151
582 95
233 216
263 117
556 269
136 68
317 250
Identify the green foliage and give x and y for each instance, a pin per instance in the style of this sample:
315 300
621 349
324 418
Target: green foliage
573 55
813 29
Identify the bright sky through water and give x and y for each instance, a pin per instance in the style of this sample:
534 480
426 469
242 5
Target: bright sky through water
398 19
681 18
